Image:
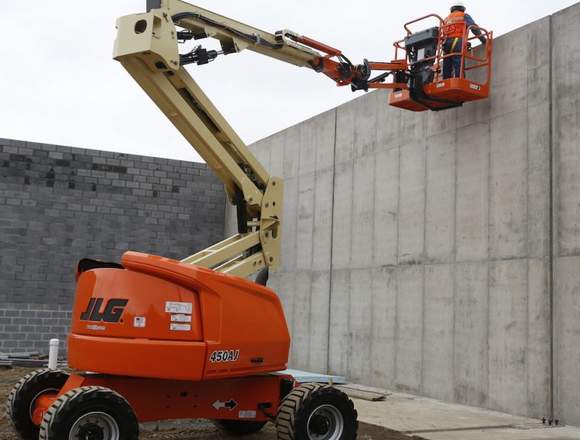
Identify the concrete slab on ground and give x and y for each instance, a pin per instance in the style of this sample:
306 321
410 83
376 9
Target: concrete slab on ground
434 420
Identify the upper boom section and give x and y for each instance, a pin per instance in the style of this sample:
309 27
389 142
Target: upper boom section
284 45
233 35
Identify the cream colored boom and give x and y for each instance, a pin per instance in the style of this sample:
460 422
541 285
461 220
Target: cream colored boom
147 46
200 20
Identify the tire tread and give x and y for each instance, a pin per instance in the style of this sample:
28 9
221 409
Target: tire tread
22 423
56 416
293 409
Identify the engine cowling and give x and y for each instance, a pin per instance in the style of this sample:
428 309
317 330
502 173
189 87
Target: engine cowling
160 318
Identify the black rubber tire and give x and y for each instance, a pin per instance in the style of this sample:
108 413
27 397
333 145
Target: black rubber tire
68 408
239 427
23 395
295 411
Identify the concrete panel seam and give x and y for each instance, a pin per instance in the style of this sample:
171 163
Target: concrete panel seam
489 252
397 261
330 269
454 258
310 316
424 282
528 249
553 192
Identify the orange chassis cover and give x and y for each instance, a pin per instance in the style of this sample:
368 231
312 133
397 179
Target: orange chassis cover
163 319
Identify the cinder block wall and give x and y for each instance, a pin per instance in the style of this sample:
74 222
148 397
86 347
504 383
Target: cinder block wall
419 250
61 204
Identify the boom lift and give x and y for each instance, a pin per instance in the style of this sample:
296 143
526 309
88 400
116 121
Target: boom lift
154 338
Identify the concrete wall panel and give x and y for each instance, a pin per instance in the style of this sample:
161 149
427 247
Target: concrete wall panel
409 319
301 320
386 202
567 337
508 208
471 355
566 180
360 328
440 193
438 344
342 215
539 173
539 338
319 318
305 221
339 346
412 203
322 232
472 215
384 326
363 217
508 330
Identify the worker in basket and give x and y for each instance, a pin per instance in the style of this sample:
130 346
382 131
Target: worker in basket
454 29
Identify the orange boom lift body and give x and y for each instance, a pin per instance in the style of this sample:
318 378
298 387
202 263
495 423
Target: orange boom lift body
174 339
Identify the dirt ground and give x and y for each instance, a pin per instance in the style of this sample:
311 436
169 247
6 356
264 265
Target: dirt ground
198 430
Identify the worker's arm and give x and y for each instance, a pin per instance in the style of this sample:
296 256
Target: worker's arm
469 21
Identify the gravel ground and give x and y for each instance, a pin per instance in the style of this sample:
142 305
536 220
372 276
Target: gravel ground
196 430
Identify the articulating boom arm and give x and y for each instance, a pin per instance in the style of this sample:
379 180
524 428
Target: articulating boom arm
285 45
147 46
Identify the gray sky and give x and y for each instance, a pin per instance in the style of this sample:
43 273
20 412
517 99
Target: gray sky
58 83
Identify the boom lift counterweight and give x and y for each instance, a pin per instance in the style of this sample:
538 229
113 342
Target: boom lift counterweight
153 338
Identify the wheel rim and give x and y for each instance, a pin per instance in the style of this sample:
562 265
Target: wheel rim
325 423
95 426
33 401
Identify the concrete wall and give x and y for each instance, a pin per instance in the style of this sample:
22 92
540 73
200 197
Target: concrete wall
60 204
417 247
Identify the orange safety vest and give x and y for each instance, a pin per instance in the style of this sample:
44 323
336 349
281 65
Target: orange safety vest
454 26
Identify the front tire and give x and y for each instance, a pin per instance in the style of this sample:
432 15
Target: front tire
317 412
21 400
94 413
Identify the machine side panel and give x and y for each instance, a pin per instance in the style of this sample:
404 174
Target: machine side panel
177 360
128 304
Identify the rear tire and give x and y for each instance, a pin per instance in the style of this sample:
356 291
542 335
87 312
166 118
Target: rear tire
239 427
317 412
24 394
92 413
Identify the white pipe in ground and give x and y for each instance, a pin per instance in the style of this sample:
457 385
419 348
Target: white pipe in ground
53 354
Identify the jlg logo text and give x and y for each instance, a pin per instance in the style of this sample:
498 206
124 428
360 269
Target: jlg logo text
112 312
